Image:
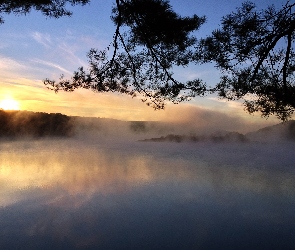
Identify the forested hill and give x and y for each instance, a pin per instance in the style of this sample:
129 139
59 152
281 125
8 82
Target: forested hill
18 124
282 131
31 124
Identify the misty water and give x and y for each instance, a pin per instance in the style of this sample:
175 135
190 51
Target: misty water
96 194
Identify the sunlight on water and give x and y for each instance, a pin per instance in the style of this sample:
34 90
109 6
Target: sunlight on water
119 196
85 171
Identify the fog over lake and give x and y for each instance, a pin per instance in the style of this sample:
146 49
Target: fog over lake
93 192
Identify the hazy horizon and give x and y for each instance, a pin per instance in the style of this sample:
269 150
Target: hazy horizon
86 170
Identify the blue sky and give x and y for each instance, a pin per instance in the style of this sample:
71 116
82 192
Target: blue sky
33 48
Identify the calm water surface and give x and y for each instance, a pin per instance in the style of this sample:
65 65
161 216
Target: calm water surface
58 194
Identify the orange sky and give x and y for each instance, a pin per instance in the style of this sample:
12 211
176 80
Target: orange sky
33 96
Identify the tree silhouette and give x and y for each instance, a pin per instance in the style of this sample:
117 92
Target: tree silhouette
150 39
49 8
255 51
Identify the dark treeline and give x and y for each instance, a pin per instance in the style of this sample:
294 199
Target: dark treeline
227 137
31 124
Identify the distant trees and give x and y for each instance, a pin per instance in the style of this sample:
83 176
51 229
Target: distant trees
24 124
49 8
227 137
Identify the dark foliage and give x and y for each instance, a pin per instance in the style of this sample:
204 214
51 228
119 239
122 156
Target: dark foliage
156 23
30 124
49 8
255 51
150 39
228 137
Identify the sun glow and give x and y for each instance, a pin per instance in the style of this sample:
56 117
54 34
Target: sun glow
9 104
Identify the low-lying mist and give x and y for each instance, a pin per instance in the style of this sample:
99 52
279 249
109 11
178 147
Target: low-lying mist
144 131
199 127
110 184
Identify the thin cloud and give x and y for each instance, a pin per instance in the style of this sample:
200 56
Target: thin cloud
13 69
69 52
226 103
44 39
9 64
66 49
52 65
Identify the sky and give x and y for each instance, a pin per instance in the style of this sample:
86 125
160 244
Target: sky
33 48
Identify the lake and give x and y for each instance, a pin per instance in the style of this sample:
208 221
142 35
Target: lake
96 194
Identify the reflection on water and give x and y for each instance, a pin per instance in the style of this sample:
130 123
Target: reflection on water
77 195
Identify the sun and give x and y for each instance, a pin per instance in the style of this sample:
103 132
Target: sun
9 104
